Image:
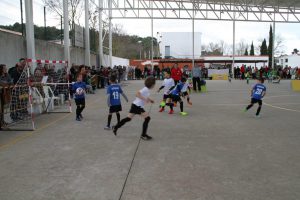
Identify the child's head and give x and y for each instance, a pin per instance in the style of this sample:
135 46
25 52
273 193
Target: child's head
261 80
167 74
183 79
112 79
79 77
150 82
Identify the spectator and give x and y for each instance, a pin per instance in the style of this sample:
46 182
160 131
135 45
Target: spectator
196 74
176 73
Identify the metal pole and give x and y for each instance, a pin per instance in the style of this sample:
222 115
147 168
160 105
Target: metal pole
30 32
45 25
22 24
152 36
87 34
110 33
233 47
61 29
193 39
273 47
100 33
66 33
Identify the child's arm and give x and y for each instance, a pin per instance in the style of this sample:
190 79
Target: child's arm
160 88
125 97
108 100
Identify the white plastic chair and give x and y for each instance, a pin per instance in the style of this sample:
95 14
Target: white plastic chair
49 99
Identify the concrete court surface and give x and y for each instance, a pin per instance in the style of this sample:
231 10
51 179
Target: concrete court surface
217 152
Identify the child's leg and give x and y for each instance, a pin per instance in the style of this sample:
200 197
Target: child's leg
118 117
146 122
181 105
122 122
251 104
82 102
109 119
78 107
259 107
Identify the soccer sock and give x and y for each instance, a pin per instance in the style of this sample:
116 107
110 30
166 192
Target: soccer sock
122 122
78 111
145 125
118 117
249 106
181 106
109 120
188 99
258 110
171 106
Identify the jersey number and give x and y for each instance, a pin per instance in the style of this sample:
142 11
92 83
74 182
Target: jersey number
116 95
258 91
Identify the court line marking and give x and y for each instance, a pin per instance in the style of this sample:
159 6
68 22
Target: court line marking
281 108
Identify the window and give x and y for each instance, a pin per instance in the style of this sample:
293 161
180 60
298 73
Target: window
286 60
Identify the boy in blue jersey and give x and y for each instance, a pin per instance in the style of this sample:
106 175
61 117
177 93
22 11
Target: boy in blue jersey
79 88
257 93
113 100
176 93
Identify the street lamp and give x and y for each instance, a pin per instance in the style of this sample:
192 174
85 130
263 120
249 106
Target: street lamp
140 49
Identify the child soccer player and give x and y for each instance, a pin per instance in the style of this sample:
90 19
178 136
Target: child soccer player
167 84
176 93
113 100
79 88
185 92
257 93
137 108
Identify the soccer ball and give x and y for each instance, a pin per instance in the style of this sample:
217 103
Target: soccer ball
79 91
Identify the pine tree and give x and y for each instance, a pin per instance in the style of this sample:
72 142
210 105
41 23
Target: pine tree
252 50
270 47
264 48
246 52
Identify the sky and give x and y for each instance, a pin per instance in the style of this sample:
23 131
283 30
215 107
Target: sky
212 31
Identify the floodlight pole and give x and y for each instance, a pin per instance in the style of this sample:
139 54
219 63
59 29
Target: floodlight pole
110 32
87 34
66 32
273 47
30 32
152 37
100 33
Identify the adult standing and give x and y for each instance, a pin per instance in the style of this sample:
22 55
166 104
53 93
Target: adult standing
176 73
196 74
5 81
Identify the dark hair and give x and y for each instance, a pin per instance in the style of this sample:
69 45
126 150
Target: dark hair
78 74
168 72
150 82
21 59
183 79
113 78
262 80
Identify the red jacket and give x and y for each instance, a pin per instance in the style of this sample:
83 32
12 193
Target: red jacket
176 74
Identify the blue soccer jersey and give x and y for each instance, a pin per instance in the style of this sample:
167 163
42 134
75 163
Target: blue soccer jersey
178 88
79 90
114 92
257 91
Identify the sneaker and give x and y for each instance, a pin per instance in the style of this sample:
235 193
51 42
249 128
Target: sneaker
78 118
107 128
171 112
245 110
183 113
114 130
161 109
146 137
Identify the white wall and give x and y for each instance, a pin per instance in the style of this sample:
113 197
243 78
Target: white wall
293 61
181 45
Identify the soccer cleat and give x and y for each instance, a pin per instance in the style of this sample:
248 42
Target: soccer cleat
161 109
162 104
171 112
146 137
245 110
107 128
257 116
78 118
114 130
183 113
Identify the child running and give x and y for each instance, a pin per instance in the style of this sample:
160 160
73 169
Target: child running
137 108
167 84
113 100
257 93
176 93
79 88
186 89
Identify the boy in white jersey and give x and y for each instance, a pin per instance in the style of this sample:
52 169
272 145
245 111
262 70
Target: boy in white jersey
168 83
137 108
185 92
